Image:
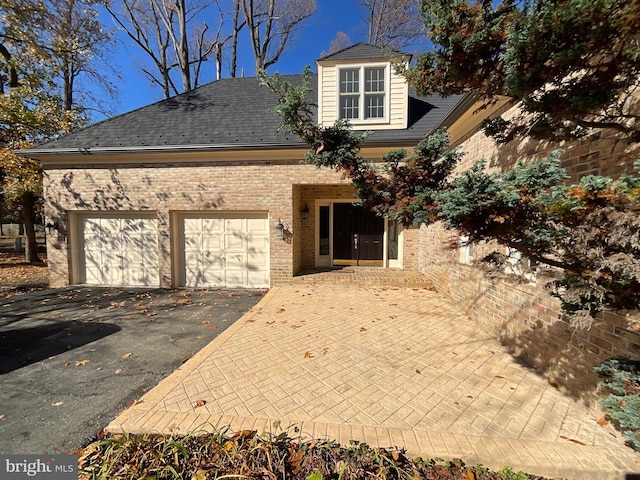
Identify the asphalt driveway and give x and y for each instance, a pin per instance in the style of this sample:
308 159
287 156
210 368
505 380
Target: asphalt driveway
71 359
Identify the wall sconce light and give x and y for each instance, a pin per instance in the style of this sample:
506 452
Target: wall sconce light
305 212
52 226
280 230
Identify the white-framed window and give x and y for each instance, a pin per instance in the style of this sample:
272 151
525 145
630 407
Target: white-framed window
363 93
466 250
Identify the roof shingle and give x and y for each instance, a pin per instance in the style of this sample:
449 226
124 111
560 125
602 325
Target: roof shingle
228 113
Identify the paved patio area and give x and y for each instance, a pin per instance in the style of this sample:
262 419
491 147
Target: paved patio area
389 367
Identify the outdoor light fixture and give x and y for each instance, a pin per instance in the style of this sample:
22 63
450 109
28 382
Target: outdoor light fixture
305 212
280 230
52 226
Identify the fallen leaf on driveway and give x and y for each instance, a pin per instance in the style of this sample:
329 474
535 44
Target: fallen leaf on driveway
602 421
127 355
418 371
57 404
66 364
307 355
185 359
2 417
118 371
200 403
280 310
572 440
212 327
81 362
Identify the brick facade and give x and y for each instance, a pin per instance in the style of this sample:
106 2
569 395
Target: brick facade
283 190
525 317
279 188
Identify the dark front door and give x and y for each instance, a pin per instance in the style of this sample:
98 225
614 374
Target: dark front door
357 235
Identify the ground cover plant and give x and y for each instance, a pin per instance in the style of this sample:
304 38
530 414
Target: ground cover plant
621 378
247 454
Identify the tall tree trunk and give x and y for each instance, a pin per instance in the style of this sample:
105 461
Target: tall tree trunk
234 41
28 217
183 46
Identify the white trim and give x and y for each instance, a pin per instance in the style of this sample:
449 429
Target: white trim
397 263
362 105
324 260
466 250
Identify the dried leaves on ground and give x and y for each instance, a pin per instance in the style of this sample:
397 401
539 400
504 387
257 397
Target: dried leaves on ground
18 276
268 456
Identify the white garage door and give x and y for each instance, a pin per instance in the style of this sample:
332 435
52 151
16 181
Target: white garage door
225 251
119 250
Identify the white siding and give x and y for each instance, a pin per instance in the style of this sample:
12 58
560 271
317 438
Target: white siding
328 95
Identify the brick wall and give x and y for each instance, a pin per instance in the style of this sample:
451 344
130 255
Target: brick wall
163 189
525 317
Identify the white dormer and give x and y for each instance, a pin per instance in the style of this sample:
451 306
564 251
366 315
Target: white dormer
358 84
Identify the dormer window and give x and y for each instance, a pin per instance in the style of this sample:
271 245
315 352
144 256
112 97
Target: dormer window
363 93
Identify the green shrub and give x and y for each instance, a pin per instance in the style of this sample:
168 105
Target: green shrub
621 377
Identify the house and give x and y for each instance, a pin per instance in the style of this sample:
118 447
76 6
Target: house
203 190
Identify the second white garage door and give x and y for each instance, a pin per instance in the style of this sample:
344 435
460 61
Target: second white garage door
225 250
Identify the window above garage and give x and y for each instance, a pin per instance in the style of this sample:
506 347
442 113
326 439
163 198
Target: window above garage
360 85
363 93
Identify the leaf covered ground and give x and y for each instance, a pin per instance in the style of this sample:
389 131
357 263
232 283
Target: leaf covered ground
17 276
268 456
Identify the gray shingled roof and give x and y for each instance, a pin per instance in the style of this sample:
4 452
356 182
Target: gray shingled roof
228 113
361 51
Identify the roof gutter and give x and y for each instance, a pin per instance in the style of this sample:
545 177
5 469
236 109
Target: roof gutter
48 152
86 151
461 107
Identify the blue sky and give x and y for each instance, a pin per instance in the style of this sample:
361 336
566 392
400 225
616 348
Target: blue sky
331 16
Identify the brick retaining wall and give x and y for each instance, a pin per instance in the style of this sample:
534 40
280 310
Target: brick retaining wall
525 317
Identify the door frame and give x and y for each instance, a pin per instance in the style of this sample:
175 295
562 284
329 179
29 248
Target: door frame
326 261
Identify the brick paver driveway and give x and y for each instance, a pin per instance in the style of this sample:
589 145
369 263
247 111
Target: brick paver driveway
387 366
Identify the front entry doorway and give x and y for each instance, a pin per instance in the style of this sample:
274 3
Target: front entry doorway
358 236
348 234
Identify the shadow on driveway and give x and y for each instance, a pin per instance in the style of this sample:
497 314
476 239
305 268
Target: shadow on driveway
71 359
20 347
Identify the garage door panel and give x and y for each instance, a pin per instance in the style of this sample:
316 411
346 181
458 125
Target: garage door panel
235 241
200 277
119 251
257 279
212 225
236 261
211 242
224 245
257 261
235 278
258 226
93 275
